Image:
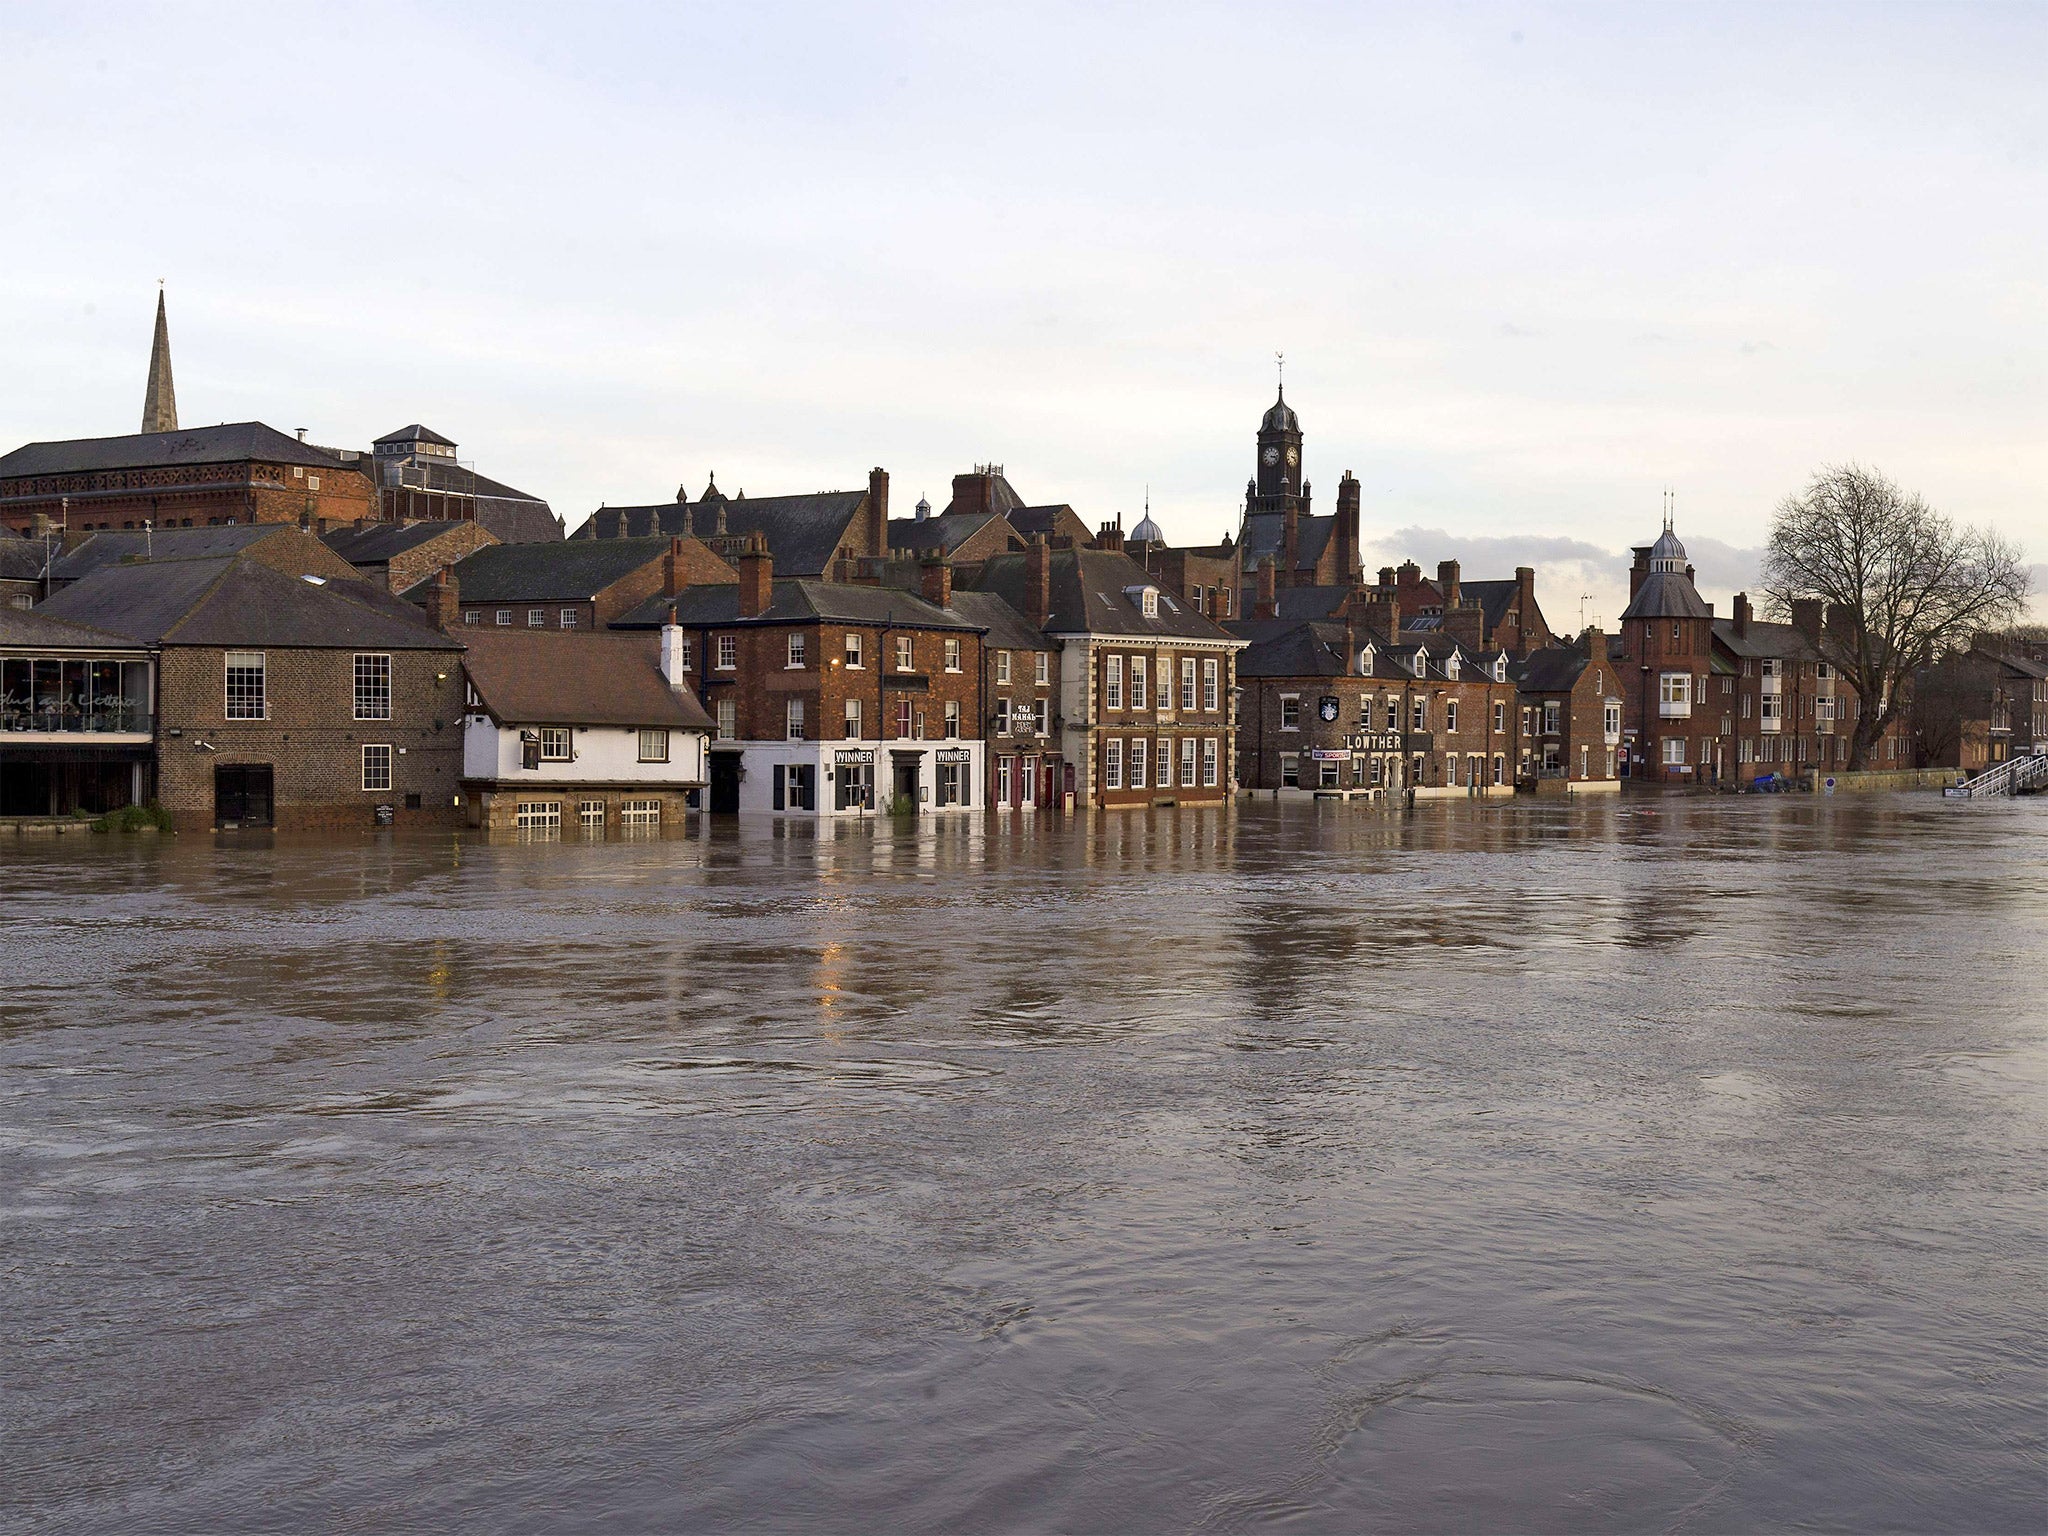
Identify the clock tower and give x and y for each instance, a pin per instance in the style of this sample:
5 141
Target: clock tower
1278 484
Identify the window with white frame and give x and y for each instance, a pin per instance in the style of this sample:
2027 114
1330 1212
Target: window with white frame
591 814
539 816
1209 675
1290 770
503 616
1393 713
728 652
555 744
536 618
792 719
1500 717
1113 682
1141 758
686 653
1113 763
728 720
1138 682
905 656
1003 714
640 813
852 649
1500 769
1674 750
1610 717
1165 763
1553 717
852 725
653 745
246 696
569 618
1674 695
798 649
1188 749
376 766
472 616
952 653
1002 666
1290 711
1208 762
1418 713
952 719
373 687
1041 664
1187 682
1450 715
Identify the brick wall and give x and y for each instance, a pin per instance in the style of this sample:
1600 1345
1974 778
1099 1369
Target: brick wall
413 566
195 496
762 682
311 739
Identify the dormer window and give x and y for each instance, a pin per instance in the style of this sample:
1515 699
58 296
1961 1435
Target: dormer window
1422 663
1500 668
1451 666
1146 598
1365 661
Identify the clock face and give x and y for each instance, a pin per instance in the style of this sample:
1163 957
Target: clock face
1293 458
1271 455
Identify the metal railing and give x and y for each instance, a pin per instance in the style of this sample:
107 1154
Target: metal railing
101 718
2009 778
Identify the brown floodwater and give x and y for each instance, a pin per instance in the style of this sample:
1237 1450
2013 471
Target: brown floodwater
1656 1165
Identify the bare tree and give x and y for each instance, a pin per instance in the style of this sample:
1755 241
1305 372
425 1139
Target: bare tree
1900 582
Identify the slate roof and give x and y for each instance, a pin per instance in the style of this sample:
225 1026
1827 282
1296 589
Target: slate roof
944 533
1495 598
529 677
1552 669
1002 497
804 533
1088 596
1667 595
380 543
239 602
799 601
1265 533
569 570
20 559
1007 629
1316 648
1298 650
1763 638
31 627
1030 520
228 443
518 522
417 434
114 546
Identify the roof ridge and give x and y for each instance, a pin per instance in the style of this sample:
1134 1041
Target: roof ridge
227 566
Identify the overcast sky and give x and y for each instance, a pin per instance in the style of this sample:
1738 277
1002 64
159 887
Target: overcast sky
1529 265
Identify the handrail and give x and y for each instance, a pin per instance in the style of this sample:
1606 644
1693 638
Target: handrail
2008 777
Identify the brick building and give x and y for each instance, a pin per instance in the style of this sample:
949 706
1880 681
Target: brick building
1021 687
1982 705
241 472
582 731
288 701
579 584
831 698
1146 684
1568 717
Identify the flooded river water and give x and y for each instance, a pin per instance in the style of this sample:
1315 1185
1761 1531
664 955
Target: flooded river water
1661 1165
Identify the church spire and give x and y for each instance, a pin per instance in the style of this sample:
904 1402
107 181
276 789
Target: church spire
160 401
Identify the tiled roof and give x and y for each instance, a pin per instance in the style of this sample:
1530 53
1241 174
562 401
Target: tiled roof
1008 630
1299 650
800 601
804 533
1088 596
228 443
239 602
1265 533
1763 638
1030 520
571 570
1495 598
20 559
518 522
527 677
945 533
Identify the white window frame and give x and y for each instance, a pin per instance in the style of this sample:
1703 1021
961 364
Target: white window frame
728 652
569 618
792 719
378 675
1113 763
797 651
1187 684
536 618
851 651
1141 763
1210 674
557 744
1140 677
1209 761
377 779
253 705
952 653
652 744
1113 682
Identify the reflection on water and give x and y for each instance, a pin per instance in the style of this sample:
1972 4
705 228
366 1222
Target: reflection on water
1652 1165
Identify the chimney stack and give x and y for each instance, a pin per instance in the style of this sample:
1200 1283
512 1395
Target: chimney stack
935 581
1806 616
444 601
1110 537
1037 581
1640 569
1447 583
878 513
757 576
672 569
1268 605
672 668
1386 576
1743 613
1346 530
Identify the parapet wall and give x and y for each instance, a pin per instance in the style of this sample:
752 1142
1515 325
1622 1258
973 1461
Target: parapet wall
1895 778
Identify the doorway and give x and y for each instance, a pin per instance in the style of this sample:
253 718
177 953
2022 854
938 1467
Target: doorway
242 795
725 783
906 786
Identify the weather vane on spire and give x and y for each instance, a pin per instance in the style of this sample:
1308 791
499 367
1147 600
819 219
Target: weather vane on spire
1280 367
